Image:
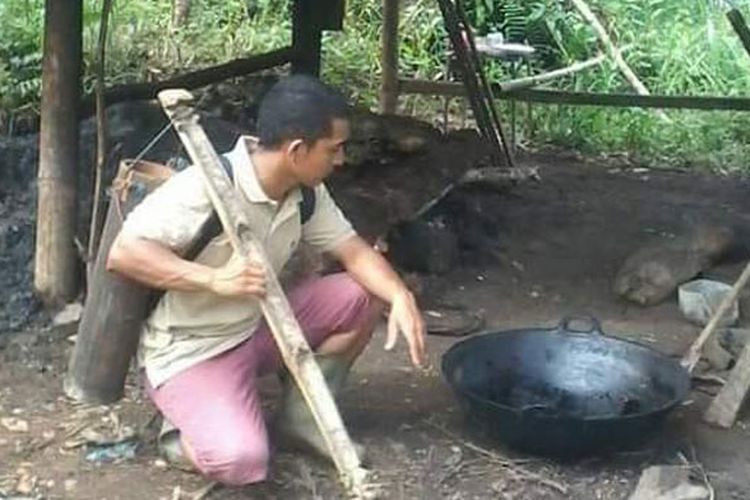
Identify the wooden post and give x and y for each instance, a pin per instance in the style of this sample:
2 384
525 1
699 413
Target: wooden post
306 37
294 349
389 58
55 267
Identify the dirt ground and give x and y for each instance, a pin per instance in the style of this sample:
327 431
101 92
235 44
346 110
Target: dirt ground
561 241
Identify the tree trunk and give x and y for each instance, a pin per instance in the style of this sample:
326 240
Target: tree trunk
55 270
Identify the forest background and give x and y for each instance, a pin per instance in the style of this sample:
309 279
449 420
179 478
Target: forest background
677 47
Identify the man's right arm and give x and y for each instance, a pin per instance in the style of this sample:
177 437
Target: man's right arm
157 266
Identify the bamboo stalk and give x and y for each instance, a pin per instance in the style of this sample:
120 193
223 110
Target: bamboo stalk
611 48
295 351
533 81
101 139
740 27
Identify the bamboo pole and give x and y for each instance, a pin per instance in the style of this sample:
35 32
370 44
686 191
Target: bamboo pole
101 139
533 81
611 48
389 58
55 265
295 351
740 27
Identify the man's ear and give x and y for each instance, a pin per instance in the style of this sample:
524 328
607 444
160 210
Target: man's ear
294 148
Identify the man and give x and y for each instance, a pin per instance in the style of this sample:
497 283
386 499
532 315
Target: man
206 344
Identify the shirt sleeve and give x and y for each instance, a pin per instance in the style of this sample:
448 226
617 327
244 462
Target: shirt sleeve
327 226
173 213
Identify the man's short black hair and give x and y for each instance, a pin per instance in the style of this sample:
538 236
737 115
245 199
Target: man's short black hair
299 107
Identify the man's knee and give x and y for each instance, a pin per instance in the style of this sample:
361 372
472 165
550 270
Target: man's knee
359 300
236 463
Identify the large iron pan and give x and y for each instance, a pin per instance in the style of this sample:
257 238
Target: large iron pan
564 392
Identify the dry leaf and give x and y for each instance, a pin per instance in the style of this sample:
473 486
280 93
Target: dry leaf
14 424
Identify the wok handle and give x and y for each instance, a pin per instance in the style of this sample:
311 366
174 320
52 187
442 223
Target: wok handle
595 329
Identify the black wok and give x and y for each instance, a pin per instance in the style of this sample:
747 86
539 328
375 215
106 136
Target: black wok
564 392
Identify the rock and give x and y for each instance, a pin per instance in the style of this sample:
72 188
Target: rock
376 136
423 246
663 482
733 340
652 273
718 357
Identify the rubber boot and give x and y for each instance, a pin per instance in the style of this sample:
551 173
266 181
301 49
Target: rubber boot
295 421
170 447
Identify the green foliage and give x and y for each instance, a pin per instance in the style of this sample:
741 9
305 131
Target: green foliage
677 47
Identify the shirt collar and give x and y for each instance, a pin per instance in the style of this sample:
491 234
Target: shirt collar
246 177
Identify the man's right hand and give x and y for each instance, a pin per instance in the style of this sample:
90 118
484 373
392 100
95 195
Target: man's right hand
239 277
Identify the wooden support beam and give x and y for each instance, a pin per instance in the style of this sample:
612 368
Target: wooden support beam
307 32
56 266
740 27
548 96
192 80
389 58
296 353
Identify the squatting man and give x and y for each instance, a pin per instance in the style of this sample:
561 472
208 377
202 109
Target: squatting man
205 345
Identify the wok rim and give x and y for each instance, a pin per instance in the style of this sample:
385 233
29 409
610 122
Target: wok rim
682 390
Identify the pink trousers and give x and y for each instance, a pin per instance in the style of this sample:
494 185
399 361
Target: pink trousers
215 404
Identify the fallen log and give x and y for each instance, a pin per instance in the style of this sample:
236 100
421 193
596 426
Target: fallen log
652 273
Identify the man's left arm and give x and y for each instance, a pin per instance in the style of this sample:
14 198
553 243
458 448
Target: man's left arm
374 273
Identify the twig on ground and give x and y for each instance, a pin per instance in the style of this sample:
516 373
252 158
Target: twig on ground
203 492
512 465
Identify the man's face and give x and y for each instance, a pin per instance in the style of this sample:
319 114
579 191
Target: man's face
315 162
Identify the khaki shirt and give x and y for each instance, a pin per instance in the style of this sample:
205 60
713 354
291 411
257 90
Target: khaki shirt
188 327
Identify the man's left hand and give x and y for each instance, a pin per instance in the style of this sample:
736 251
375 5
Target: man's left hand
406 318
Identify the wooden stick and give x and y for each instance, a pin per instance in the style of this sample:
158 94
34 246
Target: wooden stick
727 404
694 354
101 140
297 355
389 58
550 96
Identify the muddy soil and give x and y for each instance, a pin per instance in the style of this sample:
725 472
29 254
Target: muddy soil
557 245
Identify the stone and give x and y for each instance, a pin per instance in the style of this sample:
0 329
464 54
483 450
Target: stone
668 482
